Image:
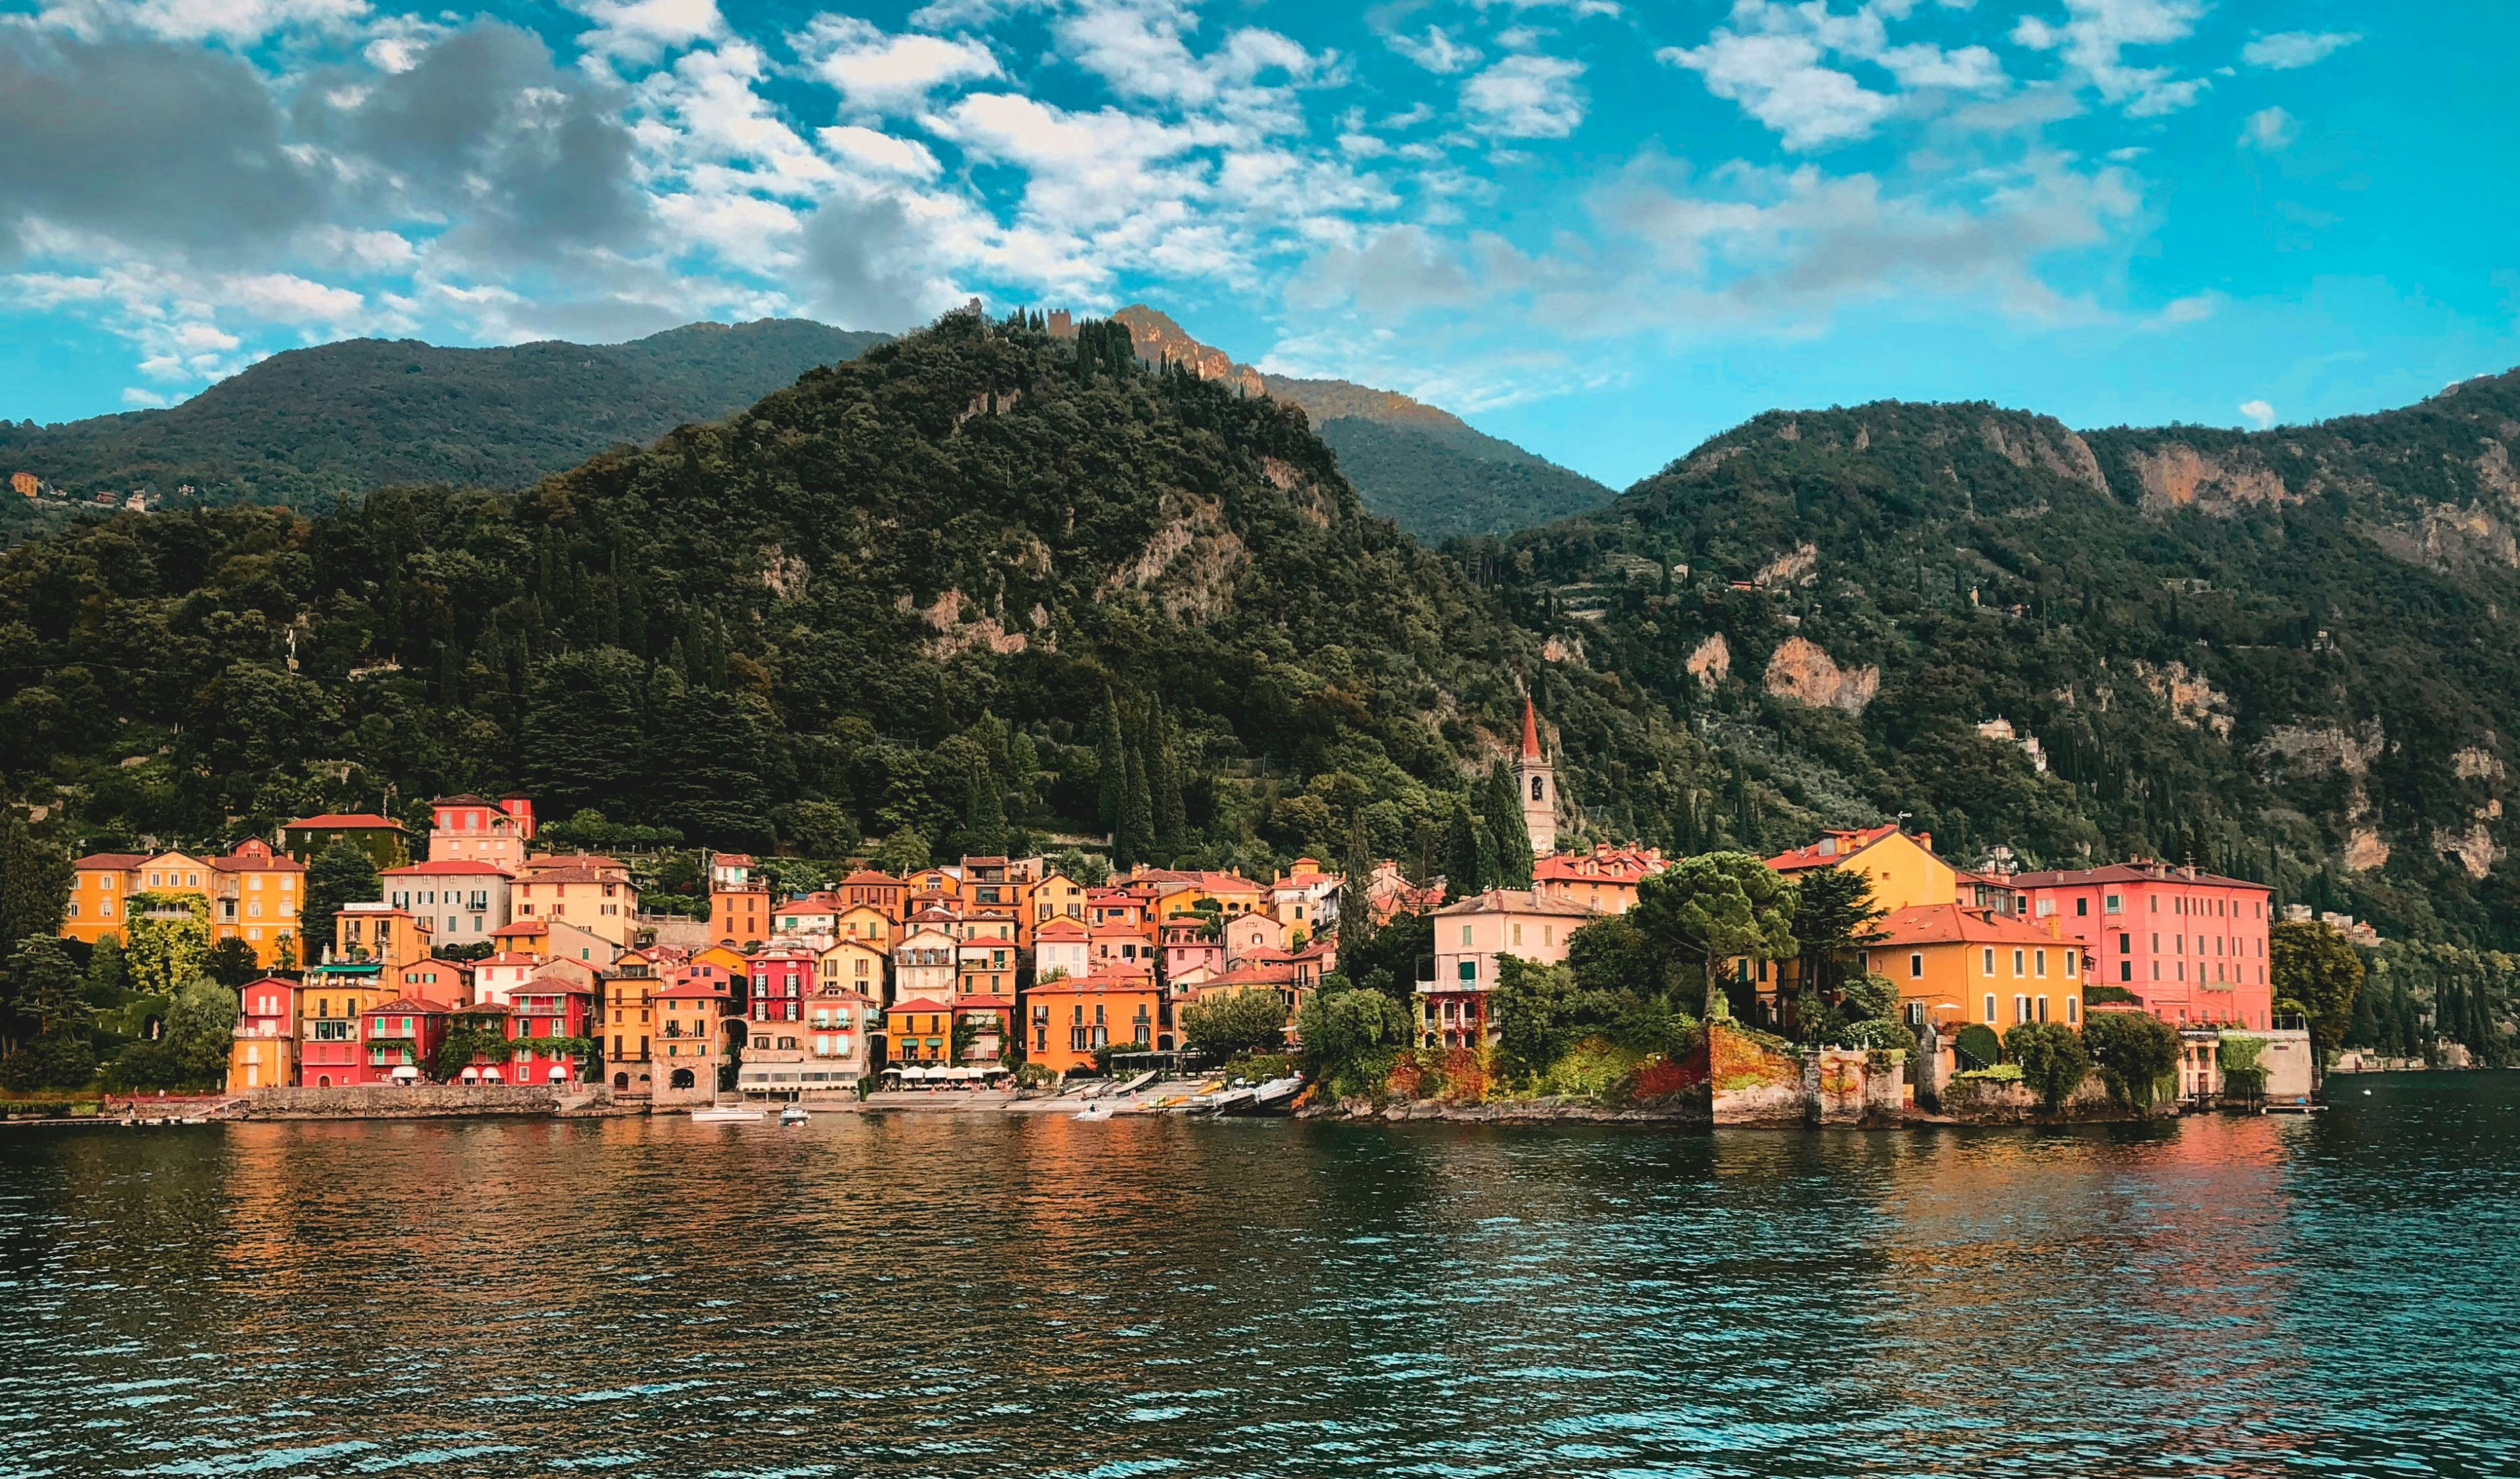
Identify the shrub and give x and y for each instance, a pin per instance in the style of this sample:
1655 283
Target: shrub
1249 1021
2243 1072
1349 1039
1979 1047
2134 1050
2052 1057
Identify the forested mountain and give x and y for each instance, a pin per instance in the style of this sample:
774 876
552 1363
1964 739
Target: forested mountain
2288 655
973 590
342 418
1426 469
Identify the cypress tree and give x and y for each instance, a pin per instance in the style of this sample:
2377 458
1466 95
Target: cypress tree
1137 813
1164 764
1509 840
985 819
1111 767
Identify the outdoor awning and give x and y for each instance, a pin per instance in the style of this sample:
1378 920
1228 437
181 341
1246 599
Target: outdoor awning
406 1073
472 1075
559 1074
492 1075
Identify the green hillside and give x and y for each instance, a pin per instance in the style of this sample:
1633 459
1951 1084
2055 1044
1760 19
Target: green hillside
342 418
1436 490
971 590
2289 655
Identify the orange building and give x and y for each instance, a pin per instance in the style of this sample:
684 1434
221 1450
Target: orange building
1955 967
699 1012
738 900
872 889
381 935
921 1029
1067 1020
265 1051
253 895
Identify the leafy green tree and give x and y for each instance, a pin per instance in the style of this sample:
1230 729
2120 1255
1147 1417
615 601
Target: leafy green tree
339 874
587 739
2053 1059
231 963
2136 1052
823 829
192 1053
43 993
1465 855
109 976
167 942
1509 840
1716 907
1538 1011
1137 838
35 879
2312 963
1388 959
984 821
1611 956
903 854
1164 780
1248 1020
1110 766
1349 1037
1978 1046
2242 1060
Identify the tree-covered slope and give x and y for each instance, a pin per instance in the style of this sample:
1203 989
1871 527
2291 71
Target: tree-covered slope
2289 655
973 589
1438 491
342 418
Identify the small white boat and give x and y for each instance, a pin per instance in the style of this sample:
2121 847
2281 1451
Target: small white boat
1097 1110
724 1114
793 1114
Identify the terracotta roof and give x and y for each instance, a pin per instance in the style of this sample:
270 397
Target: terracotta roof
116 862
1949 923
921 1004
368 819
505 957
1272 974
407 1006
523 927
2130 872
698 987
465 866
1530 730
866 878
1061 928
1515 901
1094 984
1839 846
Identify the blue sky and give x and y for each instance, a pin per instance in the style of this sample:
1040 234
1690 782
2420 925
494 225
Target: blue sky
1603 230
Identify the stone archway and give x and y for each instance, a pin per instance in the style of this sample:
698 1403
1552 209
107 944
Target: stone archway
620 1080
682 1078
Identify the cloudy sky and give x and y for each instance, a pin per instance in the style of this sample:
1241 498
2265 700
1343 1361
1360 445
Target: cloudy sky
1602 228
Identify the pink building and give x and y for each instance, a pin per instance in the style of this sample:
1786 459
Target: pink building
1470 938
782 977
472 828
1188 948
1061 945
2191 945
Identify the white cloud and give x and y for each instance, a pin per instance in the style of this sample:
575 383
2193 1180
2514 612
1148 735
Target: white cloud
2194 308
286 298
1140 49
1436 52
2258 413
1971 69
2268 129
881 151
1779 80
235 22
1526 97
2094 38
883 72
642 31
2286 50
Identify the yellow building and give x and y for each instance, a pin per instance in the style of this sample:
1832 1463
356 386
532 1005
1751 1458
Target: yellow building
1902 868
253 893
1055 896
853 965
593 893
867 922
624 1024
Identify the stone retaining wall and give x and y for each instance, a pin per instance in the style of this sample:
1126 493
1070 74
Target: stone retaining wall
379 1102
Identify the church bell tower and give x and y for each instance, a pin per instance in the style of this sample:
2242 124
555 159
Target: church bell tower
1537 784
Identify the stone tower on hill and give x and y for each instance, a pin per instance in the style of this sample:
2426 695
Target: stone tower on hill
1538 783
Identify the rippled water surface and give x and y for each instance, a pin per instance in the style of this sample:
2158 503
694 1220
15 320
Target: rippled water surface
911 1294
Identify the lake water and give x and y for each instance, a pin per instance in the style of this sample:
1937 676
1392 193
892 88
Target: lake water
932 1295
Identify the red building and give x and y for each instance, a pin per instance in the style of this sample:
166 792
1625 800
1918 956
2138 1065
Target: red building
2191 945
782 977
544 1011
402 1041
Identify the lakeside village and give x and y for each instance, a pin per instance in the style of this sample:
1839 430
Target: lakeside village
488 965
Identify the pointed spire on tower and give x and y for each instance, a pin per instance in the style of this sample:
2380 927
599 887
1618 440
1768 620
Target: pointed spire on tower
1530 730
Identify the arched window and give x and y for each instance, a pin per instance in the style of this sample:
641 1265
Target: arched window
681 1077
1535 793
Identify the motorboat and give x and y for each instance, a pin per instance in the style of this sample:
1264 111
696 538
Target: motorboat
724 1114
793 1114
1098 1110
1275 1096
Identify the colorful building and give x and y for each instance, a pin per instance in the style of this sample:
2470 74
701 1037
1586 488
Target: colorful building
464 900
253 895
783 976
624 1023
738 900
1604 880
920 1030
331 1005
379 933
1955 967
2191 945
822 1057
470 828
870 888
1470 938
852 965
1900 867
448 983
547 1021
1065 1021
401 1039
1537 783
699 1012
586 890
265 1053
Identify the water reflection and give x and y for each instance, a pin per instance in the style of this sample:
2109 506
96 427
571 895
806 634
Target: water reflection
940 1295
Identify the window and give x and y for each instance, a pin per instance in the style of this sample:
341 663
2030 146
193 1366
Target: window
2082 907
2157 942
1986 968
2155 902
2020 1009
1917 963
2043 1008
2125 970
1469 970
1465 937
2016 964
2072 1010
1990 1008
